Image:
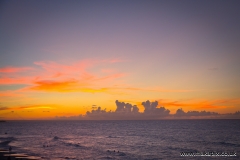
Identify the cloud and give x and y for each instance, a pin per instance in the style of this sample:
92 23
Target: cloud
58 86
9 94
201 104
235 115
65 86
49 76
192 114
127 111
29 107
152 110
205 115
15 80
152 89
36 107
126 107
79 66
123 111
53 67
11 69
56 77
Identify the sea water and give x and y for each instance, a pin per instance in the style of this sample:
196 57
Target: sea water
162 139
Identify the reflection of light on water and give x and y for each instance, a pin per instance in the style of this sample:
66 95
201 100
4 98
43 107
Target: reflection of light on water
139 140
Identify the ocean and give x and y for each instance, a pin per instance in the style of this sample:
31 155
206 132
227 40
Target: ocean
125 140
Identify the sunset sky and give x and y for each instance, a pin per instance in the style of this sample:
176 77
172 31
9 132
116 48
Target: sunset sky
64 58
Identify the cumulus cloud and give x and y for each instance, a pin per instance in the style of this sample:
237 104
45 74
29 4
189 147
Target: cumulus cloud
127 111
152 110
126 107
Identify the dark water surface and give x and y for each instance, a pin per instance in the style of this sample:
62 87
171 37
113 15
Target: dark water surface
163 139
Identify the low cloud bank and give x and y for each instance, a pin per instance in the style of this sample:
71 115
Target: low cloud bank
127 111
182 114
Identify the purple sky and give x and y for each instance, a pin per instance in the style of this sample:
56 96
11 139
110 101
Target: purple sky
186 51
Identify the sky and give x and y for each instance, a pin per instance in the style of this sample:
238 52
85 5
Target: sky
79 58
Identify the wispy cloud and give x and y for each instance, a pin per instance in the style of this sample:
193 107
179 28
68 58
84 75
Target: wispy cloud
16 80
201 104
31 107
50 76
59 86
152 89
57 77
11 69
37 107
65 86
9 94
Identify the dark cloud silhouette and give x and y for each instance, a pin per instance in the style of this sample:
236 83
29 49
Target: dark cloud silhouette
152 110
235 115
123 111
127 111
126 107
181 113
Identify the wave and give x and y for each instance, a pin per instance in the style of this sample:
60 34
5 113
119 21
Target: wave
6 141
74 145
63 141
